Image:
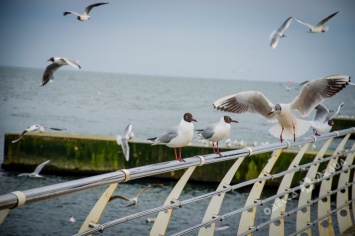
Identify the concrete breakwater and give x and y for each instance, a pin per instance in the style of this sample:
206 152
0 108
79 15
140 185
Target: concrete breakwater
88 155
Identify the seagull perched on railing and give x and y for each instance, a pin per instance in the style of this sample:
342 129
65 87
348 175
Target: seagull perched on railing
319 28
34 128
289 126
35 174
85 16
123 140
57 62
216 132
279 33
177 136
134 200
323 119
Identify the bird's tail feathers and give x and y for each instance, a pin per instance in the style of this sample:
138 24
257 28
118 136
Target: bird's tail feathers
301 128
154 140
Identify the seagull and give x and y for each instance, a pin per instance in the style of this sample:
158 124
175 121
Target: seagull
319 28
288 89
57 62
72 219
85 16
34 128
134 200
312 93
222 227
123 141
177 136
150 220
323 119
279 33
217 131
35 174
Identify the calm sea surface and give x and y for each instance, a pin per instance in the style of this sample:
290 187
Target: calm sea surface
103 104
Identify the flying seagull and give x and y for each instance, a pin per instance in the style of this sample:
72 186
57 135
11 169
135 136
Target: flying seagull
85 16
319 28
312 93
177 136
57 62
276 35
34 128
123 141
134 200
323 119
72 219
216 132
35 174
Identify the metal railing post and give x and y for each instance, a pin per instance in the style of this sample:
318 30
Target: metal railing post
280 203
248 217
343 216
216 201
326 226
163 218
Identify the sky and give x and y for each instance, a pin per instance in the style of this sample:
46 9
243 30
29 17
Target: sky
226 39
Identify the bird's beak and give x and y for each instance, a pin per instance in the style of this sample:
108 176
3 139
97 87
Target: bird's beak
194 120
235 121
272 111
48 59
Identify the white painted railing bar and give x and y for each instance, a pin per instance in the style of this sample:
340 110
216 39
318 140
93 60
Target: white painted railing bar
101 227
9 200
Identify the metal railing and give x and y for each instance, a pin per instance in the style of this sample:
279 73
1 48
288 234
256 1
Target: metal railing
335 166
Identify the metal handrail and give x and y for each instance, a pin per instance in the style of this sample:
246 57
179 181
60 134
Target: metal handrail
10 200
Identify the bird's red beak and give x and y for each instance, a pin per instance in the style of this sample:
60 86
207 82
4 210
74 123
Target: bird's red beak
270 113
193 120
235 121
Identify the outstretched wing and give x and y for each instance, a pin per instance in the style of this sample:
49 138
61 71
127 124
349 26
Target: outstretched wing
285 25
125 148
321 113
72 63
20 137
70 12
57 129
128 131
316 91
246 102
40 167
274 39
149 187
48 73
88 8
322 22
119 197
309 26
332 114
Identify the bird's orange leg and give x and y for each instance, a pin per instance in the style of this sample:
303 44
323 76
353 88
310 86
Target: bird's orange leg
213 147
180 158
281 134
218 152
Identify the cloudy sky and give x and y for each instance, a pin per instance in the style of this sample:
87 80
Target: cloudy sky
205 39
